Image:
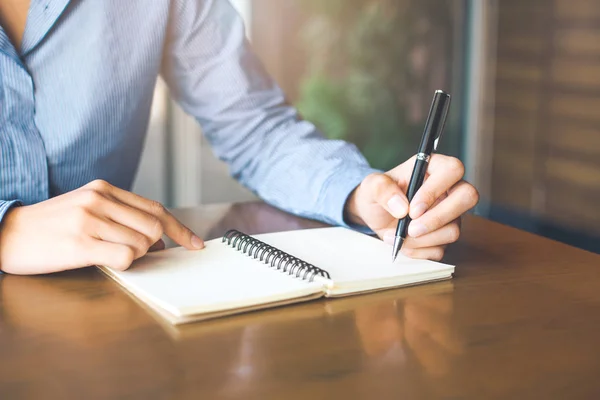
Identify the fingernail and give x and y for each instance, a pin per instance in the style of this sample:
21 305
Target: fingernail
418 210
389 237
416 229
197 242
397 206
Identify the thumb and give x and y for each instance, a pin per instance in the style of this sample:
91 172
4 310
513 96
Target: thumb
386 192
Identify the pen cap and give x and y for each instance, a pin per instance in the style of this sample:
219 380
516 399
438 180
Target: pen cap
436 121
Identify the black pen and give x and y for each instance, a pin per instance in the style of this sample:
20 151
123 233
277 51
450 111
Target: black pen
434 128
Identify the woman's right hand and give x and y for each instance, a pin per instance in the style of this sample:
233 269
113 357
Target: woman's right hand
97 224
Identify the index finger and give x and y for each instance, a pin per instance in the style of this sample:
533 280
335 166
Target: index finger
174 229
444 172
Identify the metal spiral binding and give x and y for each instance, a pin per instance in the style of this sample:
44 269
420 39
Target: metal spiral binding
284 262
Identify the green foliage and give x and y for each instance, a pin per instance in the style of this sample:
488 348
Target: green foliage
363 68
325 102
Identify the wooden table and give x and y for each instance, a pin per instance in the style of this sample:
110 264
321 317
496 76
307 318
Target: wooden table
520 320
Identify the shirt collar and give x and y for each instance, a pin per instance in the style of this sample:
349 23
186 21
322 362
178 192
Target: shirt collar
6 45
42 16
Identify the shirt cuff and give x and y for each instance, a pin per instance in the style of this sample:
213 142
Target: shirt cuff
336 191
4 207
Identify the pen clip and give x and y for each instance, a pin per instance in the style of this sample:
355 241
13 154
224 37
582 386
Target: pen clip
445 108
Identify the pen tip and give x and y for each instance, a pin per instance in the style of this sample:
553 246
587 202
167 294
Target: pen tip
397 246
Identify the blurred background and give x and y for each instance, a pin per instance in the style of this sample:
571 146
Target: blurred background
525 115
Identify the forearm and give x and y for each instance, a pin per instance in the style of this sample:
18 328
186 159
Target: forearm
288 163
215 76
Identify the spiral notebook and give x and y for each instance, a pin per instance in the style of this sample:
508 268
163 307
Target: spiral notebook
239 273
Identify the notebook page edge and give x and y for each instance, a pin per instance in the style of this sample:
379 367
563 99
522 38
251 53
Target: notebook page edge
167 319
184 319
391 284
316 288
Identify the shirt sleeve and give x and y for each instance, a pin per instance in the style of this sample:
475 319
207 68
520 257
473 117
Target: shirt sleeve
4 207
213 74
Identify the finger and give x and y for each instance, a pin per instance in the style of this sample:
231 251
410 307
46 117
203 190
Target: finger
386 192
439 200
113 232
133 218
445 235
100 200
160 245
462 197
112 255
444 173
402 172
174 229
426 253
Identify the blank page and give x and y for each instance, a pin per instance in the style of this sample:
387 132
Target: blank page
355 261
217 278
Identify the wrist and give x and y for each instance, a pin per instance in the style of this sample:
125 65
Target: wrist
336 192
351 213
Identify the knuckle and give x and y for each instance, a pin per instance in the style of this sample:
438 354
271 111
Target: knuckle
99 185
376 180
437 254
91 197
454 232
142 244
455 165
125 258
157 208
471 196
156 229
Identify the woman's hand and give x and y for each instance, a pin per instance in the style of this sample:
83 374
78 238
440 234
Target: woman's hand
97 224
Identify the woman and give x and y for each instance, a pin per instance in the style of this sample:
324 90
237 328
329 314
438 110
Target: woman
77 78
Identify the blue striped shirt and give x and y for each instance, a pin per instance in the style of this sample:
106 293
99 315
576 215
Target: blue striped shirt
75 103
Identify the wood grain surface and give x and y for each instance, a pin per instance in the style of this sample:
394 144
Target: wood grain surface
520 319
